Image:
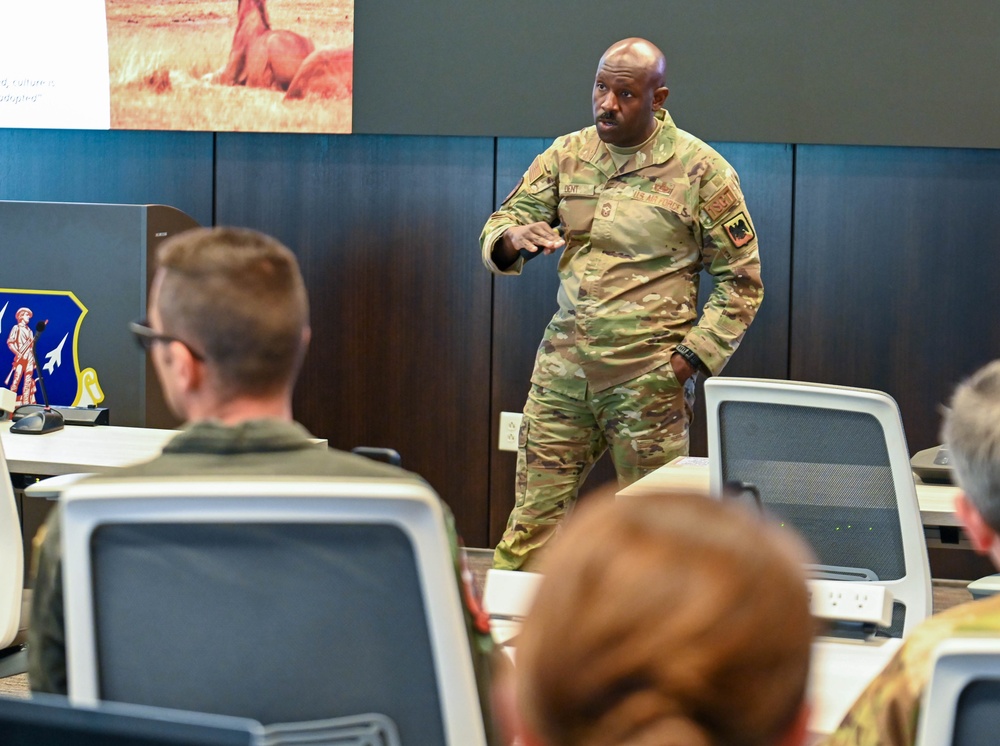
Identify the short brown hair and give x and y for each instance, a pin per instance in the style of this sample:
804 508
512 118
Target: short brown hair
666 619
238 298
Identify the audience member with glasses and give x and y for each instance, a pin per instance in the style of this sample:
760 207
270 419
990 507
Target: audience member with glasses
227 331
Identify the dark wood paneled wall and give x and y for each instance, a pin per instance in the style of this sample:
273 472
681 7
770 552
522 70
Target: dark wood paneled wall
166 168
386 230
878 262
896 270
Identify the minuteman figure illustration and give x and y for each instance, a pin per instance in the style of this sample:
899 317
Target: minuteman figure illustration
20 342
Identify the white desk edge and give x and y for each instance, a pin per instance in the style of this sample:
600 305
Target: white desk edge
78 448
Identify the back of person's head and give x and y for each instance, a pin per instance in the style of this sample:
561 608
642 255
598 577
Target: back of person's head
971 432
238 298
667 619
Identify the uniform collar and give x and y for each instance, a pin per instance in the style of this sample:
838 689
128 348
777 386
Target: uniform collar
252 436
658 150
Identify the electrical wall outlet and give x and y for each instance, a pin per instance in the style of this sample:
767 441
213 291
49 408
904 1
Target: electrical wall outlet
846 601
510 426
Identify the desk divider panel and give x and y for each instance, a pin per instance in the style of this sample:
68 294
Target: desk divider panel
101 254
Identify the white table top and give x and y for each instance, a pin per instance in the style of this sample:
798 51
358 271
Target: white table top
839 672
936 501
78 448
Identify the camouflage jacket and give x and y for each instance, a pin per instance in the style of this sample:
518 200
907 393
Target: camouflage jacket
888 710
636 240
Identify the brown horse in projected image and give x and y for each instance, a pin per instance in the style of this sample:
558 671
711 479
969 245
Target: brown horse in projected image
262 57
326 73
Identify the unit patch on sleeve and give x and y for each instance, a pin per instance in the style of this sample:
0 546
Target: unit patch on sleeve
739 230
722 201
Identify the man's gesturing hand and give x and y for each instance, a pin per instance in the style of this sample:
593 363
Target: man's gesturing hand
533 237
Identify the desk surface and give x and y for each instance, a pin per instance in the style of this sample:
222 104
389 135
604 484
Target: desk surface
77 448
936 501
838 672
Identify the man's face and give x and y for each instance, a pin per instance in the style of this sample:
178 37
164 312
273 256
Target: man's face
625 98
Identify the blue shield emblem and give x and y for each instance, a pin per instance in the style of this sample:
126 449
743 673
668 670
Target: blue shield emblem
41 332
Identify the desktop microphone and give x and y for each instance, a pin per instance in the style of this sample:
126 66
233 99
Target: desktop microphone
47 419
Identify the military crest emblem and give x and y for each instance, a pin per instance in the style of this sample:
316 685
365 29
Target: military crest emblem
41 331
739 230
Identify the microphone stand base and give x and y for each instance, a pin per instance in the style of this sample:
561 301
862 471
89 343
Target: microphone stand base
39 423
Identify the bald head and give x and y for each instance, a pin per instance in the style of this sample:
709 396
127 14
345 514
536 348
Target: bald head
628 90
637 54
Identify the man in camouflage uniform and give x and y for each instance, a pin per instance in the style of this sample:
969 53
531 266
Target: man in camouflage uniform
888 710
642 207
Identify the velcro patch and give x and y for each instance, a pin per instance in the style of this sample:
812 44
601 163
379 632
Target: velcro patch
535 172
721 202
739 230
662 201
574 190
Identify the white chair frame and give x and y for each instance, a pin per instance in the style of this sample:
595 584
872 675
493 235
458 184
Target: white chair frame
914 589
957 662
407 504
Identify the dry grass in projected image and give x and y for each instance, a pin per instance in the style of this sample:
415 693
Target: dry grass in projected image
170 66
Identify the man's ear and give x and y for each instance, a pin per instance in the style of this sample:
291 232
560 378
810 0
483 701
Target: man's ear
186 368
981 536
660 97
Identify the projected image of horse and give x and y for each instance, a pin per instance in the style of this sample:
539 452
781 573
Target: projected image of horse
262 57
232 65
326 73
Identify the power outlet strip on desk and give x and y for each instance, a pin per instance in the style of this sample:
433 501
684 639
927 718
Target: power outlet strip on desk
846 601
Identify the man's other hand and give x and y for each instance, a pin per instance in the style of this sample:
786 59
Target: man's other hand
682 368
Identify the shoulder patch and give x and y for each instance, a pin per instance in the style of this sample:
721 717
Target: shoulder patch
535 172
739 230
721 202
512 191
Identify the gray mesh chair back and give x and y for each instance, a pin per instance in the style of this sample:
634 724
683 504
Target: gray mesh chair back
961 704
277 600
831 461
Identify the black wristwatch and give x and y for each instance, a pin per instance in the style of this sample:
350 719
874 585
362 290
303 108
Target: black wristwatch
692 358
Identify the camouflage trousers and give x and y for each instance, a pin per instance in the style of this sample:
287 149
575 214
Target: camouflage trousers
644 422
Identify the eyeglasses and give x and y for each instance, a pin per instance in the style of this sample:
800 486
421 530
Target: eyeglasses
145 336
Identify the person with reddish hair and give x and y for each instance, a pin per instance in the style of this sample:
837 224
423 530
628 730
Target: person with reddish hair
664 619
